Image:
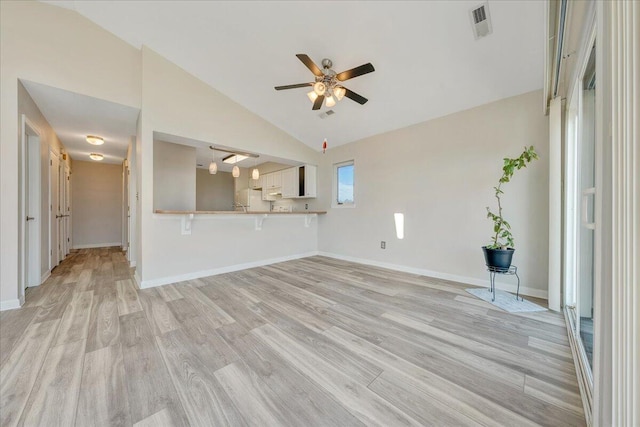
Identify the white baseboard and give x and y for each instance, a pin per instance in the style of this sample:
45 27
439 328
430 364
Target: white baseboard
136 277
11 304
509 287
45 276
144 284
132 264
97 245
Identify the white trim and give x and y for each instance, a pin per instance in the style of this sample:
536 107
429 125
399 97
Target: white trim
132 264
45 276
334 191
138 280
583 372
555 204
97 245
11 304
144 284
509 287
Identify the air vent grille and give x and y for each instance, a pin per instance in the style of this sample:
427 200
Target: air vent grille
481 21
326 114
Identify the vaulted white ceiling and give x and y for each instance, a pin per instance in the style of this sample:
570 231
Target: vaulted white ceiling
426 59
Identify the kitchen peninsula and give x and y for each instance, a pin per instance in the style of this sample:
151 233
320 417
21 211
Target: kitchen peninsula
258 216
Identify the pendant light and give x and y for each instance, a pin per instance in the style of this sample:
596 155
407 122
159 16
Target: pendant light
235 172
255 173
213 166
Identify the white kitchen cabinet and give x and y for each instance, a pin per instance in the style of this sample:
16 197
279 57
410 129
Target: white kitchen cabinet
273 180
256 184
290 183
299 182
308 181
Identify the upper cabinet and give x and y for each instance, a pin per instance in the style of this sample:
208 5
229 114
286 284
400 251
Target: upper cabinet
272 180
290 183
299 182
293 183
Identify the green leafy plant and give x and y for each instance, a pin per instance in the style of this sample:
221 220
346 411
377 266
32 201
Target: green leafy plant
502 237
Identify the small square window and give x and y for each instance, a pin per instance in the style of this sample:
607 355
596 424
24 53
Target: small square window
344 184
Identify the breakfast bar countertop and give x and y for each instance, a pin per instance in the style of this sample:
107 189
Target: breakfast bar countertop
172 212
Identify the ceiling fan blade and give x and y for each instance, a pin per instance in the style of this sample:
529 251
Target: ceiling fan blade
355 72
318 103
310 64
354 96
293 86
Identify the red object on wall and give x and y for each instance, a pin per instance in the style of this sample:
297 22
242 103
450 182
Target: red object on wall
324 146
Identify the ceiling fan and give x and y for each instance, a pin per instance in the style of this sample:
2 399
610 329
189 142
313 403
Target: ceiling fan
327 83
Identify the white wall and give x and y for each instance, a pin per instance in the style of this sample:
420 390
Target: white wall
59 48
48 140
440 174
97 204
214 192
176 103
174 176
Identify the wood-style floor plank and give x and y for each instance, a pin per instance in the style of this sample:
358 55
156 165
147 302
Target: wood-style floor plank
104 326
128 301
253 398
157 311
19 373
192 356
74 324
149 385
13 323
54 398
103 394
310 342
360 401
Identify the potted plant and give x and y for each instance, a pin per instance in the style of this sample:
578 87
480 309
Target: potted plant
499 252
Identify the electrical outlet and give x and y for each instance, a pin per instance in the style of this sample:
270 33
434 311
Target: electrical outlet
306 206
383 245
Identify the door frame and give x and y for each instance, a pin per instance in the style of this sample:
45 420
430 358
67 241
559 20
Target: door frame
52 223
572 221
30 195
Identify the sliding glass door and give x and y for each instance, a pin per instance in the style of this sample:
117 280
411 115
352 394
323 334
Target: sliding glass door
580 191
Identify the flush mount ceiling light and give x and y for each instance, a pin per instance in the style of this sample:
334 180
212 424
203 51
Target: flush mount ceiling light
327 83
95 140
96 156
234 158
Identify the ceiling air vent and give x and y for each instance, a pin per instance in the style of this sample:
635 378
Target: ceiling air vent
326 114
481 21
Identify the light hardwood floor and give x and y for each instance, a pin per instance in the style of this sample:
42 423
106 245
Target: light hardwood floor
309 342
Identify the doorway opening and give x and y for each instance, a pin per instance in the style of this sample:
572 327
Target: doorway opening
31 218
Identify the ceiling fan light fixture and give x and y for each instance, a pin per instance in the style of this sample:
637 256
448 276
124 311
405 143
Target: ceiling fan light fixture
312 96
339 92
319 88
95 140
235 172
96 156
330 102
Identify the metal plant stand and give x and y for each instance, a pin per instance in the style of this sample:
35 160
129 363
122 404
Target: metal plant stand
511 271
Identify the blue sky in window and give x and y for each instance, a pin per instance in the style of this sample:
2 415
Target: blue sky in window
345 184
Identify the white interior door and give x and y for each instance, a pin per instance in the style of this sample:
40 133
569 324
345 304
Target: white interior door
30 207
54 207
67 210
